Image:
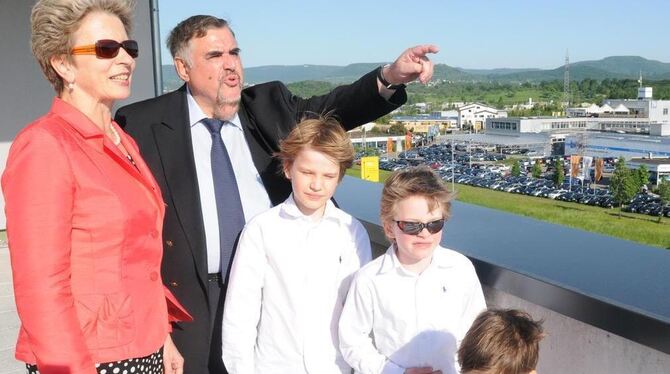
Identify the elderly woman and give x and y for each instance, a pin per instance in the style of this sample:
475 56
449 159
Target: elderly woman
84 214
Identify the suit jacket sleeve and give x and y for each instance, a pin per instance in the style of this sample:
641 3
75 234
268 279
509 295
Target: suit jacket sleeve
38 186
274 110
354 104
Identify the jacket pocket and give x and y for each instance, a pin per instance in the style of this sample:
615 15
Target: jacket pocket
107 320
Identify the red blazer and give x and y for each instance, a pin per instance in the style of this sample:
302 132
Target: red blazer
84 230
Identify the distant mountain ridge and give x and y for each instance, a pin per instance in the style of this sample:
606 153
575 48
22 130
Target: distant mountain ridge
614 67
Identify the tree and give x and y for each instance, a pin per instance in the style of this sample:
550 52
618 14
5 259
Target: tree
559 173
516 168
663 192
641 176
622 184
397 129
385 119
537 169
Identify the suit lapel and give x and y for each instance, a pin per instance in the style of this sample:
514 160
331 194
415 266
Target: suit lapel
173 141
259 149
261 153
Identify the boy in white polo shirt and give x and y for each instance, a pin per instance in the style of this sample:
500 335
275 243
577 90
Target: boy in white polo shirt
294 265
408 310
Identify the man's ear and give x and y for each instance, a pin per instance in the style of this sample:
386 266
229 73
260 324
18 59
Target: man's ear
63 68
182 69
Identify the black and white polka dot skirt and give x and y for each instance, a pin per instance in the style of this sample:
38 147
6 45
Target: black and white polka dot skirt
152 364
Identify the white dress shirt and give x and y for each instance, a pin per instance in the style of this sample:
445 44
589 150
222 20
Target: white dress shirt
287 286
416 320
253 195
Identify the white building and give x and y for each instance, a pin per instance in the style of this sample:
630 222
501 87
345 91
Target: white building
627 146
474 115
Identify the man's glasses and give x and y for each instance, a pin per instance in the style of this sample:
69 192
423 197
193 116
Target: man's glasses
414 228
106 48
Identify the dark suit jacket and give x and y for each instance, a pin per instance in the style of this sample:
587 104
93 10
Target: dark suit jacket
267 113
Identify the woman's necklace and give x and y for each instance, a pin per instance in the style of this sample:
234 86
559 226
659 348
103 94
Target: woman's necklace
117 137
117 141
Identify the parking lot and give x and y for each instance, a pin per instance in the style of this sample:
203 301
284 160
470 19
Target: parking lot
486 170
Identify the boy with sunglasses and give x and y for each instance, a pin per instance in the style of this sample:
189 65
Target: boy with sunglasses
408 310
294 264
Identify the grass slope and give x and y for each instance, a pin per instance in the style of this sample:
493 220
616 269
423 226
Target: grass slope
636 227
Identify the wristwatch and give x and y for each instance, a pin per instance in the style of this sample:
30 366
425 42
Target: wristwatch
385 83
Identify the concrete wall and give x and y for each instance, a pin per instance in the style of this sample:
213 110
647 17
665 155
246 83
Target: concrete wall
575 347
9 321
571 346
26 94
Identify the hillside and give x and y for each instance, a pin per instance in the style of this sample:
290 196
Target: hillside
615 67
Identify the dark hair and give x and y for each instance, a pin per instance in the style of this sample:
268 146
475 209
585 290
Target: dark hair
192 27
503 341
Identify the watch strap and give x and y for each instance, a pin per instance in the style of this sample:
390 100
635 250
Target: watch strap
385 83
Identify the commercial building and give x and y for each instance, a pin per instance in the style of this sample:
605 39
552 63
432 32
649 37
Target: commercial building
473 116
422 123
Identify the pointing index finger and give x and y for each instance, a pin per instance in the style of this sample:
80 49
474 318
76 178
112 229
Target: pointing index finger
422 50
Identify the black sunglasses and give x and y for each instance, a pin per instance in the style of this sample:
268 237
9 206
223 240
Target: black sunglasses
414 228
107 48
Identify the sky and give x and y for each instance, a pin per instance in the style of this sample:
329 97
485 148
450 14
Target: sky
470 34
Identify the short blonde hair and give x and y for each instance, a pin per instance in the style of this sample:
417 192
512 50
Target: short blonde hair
323 134
414 181
501 341
54 21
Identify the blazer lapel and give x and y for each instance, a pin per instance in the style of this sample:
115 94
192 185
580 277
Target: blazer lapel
141 173
173 141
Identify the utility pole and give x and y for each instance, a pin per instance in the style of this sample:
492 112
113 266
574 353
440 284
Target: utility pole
453 186
566 81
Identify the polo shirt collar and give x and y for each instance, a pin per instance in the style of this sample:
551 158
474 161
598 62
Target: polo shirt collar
441 259
290 209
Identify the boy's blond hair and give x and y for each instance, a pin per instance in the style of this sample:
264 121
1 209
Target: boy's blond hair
501 341
414 181
323 134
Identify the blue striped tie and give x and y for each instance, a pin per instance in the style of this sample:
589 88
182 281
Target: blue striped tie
228 202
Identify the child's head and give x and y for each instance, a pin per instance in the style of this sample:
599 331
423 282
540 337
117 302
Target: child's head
314 156
415 202
501 341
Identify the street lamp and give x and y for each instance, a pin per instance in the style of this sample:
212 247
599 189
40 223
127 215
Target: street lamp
453 186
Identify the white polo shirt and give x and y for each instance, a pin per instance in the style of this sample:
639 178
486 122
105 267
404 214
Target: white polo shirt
287 286
416 320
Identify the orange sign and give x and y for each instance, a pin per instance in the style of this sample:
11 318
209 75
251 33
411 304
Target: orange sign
600 164
574 165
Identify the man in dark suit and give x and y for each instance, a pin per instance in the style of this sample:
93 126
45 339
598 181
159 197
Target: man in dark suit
173 133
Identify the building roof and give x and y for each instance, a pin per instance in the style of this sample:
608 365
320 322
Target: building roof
652 161
621 109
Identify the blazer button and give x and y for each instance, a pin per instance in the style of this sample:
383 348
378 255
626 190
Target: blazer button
174 284
169 243
153 276
154 234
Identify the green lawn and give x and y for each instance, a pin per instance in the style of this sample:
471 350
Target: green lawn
636 227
